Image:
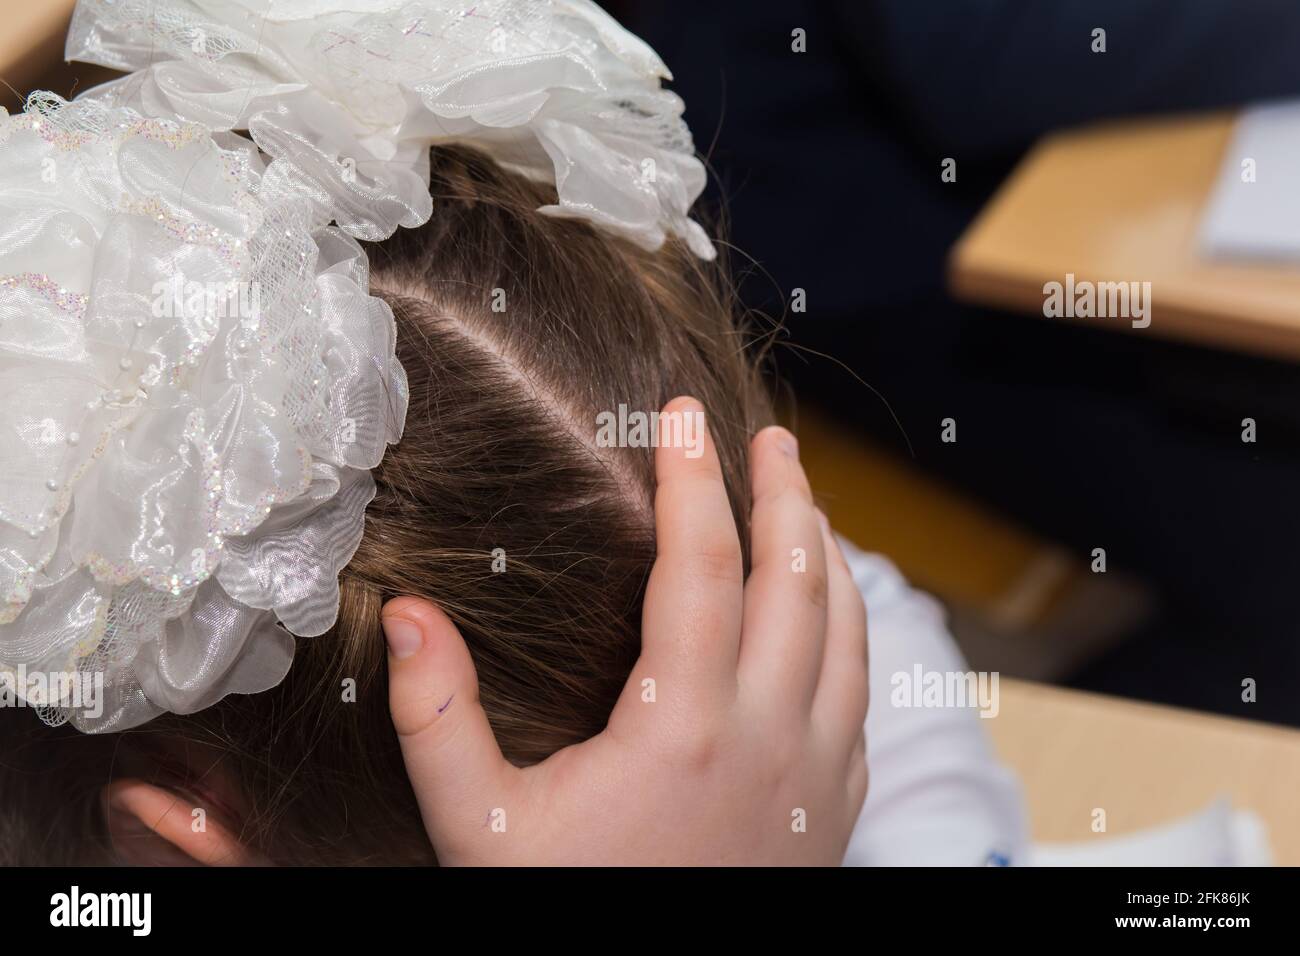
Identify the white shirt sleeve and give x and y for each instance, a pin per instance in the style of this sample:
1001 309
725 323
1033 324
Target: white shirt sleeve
937 795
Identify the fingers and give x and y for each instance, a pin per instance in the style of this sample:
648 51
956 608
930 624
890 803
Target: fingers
690 632
840 707
785 596
451 755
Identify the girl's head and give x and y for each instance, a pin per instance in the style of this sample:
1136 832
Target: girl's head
518 332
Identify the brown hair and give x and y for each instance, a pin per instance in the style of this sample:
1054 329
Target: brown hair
499 452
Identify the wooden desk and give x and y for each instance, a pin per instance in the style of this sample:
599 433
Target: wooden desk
30 43
1123 203
1144 764
31 52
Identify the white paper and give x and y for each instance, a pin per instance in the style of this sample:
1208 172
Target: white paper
1259 219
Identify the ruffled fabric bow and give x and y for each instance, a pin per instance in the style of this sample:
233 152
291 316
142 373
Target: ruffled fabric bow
196 381
196 384
353 92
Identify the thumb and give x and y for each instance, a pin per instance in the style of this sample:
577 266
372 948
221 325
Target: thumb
456 767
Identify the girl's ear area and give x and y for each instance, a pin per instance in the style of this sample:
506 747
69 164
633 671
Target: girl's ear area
154 826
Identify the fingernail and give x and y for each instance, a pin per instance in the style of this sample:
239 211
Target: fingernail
404 637
787 442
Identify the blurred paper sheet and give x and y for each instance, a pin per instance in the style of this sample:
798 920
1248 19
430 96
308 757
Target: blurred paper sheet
1254 208
1216 836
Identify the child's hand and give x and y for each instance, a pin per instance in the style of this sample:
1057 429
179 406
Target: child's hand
739 738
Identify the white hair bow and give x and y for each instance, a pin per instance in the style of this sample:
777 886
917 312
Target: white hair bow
196 381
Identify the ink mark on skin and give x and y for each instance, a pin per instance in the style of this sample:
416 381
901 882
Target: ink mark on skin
446 705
